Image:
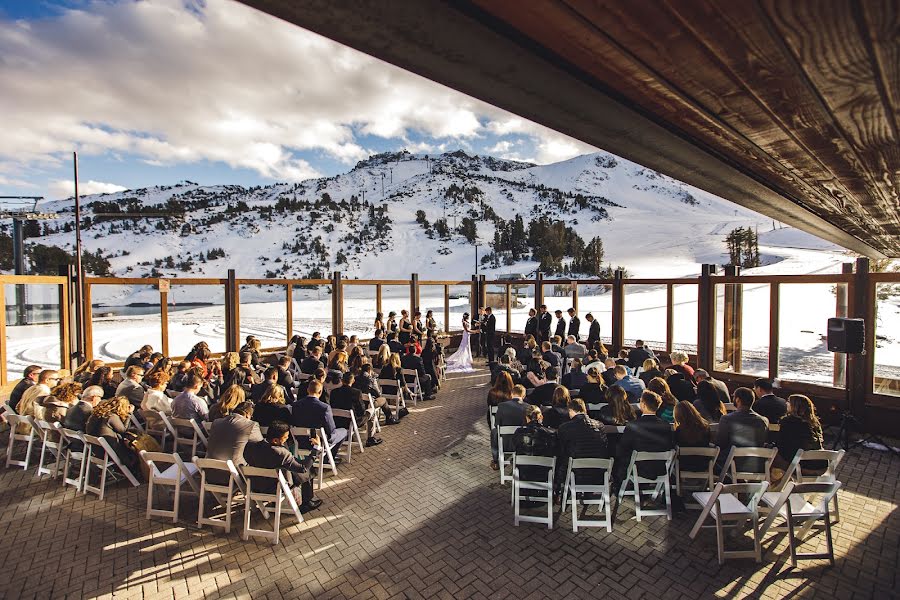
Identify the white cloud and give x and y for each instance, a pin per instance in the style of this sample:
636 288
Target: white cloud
218 81
65 188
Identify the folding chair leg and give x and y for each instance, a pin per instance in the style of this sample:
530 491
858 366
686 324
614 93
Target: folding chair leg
720 541
757 546
828 541
791 540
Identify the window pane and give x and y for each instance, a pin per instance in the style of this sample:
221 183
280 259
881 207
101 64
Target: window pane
312 310
460 302
431 297
522 300
803 326
263 314
887 339
125 317
496 299
360 306
32 328
645 315
755 330
684 329
597 300
196 314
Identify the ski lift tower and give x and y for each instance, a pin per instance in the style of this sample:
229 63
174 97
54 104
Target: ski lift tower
21 209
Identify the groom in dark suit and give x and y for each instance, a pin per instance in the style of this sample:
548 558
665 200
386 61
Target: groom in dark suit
489 332
476 340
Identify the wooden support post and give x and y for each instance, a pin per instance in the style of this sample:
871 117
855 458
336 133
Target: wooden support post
337 304
538 289
774 325
87 321
508 304
841 309
482 291
64 332
378 298
71 309
446 308
706 318
860 366
618 311
575 296
164 319
732 320
3 354
413 294
289 307
232 314
670 317
474 296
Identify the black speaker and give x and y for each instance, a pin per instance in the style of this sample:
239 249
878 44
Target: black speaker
847 336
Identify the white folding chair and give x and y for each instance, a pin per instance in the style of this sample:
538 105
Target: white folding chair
395 399
411 378
703 481
178 429
505 456
27 438
235 481
660 483
764 456
324 457
281 500
793 505
352 433
76 450
725 507
832 457
52 442
492 412
172 476
100 454
591 494
520 485
367 398
134 424
155 427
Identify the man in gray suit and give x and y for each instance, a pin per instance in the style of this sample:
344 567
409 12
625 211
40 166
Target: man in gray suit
229 436
131 386
742 428
509 413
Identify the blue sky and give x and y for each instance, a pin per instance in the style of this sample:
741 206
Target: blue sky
160 91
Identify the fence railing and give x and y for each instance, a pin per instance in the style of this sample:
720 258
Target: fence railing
737 326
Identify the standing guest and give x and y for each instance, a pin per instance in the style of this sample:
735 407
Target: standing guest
418 331
378 326
187 404
533 439
231 398
649 370
531 325
430 324
29 379
680 363
691 431
767 403
618 410
430 357
104 378
580 437
489 333
560 324
544 322
631 384
347 397
573 349
574 325
557 413
272 454
131 386
313 413
720 387
593 331
667 410
228 437
638 355
575 378
648 433
510 413
156 401
800 430
391 324
708 403
742 428
405 327
77 415
593 391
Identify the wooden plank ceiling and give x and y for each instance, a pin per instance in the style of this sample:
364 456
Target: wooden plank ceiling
789 108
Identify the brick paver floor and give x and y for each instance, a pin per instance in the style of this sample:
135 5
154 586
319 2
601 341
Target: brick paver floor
423 516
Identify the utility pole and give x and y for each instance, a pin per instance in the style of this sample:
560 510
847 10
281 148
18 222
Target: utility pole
382 185
79 289
476 256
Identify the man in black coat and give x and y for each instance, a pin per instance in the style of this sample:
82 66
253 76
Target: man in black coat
550 356
638 355
545 320
413 362
376 342
272 454
648 433
531 325
560 324
347 397
29 378
489 332
271 378
394 344
312 361
593 332
367 383
574 325
543 394
580 437
767 403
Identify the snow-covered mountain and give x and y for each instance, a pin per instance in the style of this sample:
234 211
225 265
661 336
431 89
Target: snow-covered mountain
364 222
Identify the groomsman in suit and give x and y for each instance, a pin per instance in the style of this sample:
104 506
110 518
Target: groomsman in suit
531 325
489 332
594 332
544 321
574 324
560 324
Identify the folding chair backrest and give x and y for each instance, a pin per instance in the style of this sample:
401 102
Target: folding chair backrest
227 466
710 453
832 457
8 409
761 467
604 464
251 473
535 461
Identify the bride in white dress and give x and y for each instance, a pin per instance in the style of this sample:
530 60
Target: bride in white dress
461 360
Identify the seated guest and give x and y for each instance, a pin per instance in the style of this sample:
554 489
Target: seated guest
377 342
108 421
666 411
347 397
357 357
156 401
313 361
533 439
315 340
536 376
182 371
510 413
691 431
430 356
382 358
573 349
271 407
708 403
366 383
499 393
638 355
679 364
104 378
618 411
506 367
720 387
131 386
57 404
337 361
82 374
649 370
556 347
139 357
623 359
187 404
631 384
394 344
272 454
30 403
549 356
800 430
593 361
201 359
558 412
312 412
580 437
682 387
647 433
517 366
285 378
413 362
575 378
228 437
228 401
392 369
609 375
271 376
238 376
78 414
593 391
543 393
247 366
292 346
29 379
742 428
767 403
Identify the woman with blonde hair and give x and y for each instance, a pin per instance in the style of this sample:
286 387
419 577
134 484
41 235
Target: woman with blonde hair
649 370
229 361
659 386
338 361
228 401
57 404
382 358
271 407
679 363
